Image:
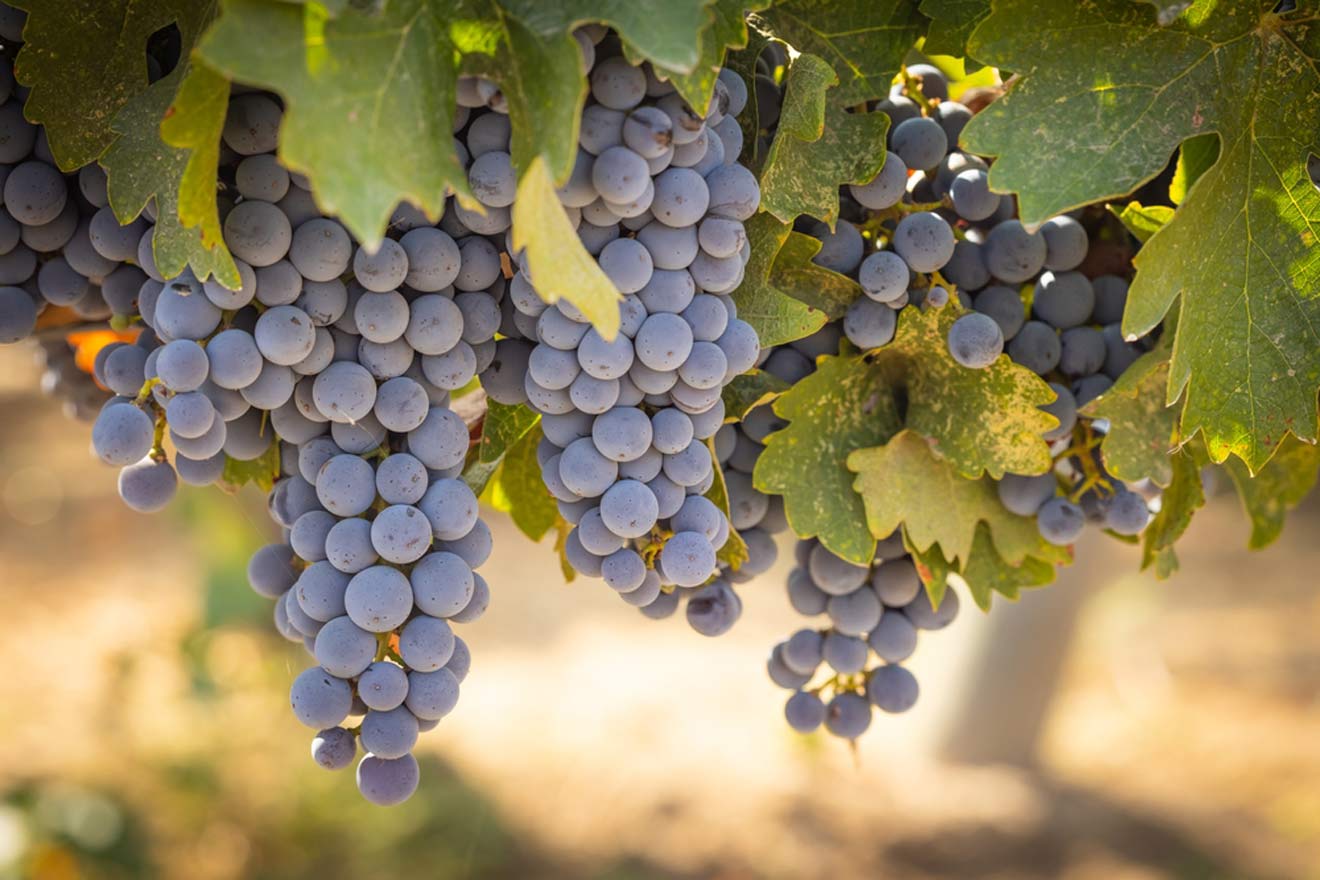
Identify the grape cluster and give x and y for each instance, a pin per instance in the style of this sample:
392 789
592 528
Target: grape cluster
659 199
873 611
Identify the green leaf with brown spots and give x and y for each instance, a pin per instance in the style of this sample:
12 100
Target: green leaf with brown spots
819 146
1278 487
777 316
726 29
865 41
369 99
904 483
844 406
85 61
1240 254
1142 429
982 421
932 568
750 390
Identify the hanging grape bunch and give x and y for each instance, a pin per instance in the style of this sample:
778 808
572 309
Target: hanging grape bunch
798 344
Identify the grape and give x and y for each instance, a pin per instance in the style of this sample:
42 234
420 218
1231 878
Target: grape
629 509
892 689
894 638
664 342
320 588
252 124
855 613
492 179
690 467
451 507
627 264
622 434
971 195
1063 299
348 546
671 430
261 177
1060 521
1065 243
440 441
343 392
845 654
585 471
442 584
896 581
148 485
381 317
623 570
847 716
401 534
670 247
869 324
714 609
1024 495
920 142
124 369
426 643
285 335
122 434
183 312
1110 299
975 341
681 197
334 748
1036 347
346 485
272 387
433 695
201 472
258 232
234 358
278 284
1082 351
270 570
924 241
1127 514
477 606
386 782
435 324
378 599
34 193
883 276
804 711
617 84
189 415
841 249
1064 408
884 190
688 559
781 675
1003 305
952 117
620 175
734 192
1012 254
319 699
648 131
325 302
835 575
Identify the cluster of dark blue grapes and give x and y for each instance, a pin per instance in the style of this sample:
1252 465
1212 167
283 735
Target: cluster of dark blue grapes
659 199
875 613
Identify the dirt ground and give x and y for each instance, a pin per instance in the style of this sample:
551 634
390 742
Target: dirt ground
146 730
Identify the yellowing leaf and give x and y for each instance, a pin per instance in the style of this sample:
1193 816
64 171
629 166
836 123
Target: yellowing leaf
1142 429
776 316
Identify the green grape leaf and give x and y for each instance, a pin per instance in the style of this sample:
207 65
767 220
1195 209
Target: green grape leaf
194 123
951 24
369 100
864 40
726 29
556 259
1142 427
1278 487
1195 157
904 483
261 471
776 315
140 167
542 80
1240 255
1183 497
1142 221
562 530
517 488
668 36
743 63
987 572
84 62
733 552
932 568
818 146
845 405
814 285
982 421
750 390
502 427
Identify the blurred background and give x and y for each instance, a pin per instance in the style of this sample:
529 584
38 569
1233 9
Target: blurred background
1111 726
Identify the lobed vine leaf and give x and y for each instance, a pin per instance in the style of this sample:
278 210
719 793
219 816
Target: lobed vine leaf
987 572
1240 252
261 471
193 123
502 427
750 390
818 146
982 421
904 483
733 552
1195 157
1282 484
726 29
1142 221
814 285
863 40
776 316
845 405
517 489
1183 497
666 37
367 141
1142 427
951 24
